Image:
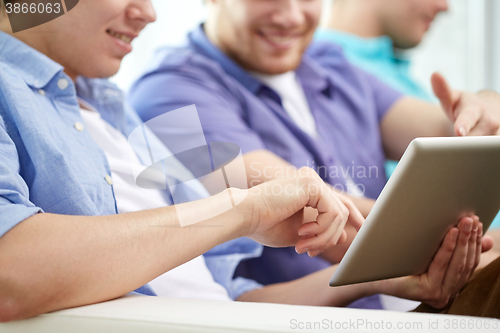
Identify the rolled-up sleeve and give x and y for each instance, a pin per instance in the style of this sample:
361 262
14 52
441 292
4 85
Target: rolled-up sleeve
15 206
222 261
384 95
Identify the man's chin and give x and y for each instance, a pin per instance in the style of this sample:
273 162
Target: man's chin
104 72
278 67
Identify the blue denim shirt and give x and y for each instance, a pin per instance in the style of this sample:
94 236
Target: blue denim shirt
48 165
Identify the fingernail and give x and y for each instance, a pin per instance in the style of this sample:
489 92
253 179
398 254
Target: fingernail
303 251
462 131
314 254
468 226
476 226
304 234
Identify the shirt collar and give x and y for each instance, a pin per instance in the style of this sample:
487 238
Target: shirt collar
313 76
105 97
36 69
309 73
200 42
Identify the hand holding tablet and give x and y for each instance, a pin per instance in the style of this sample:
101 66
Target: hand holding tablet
439 182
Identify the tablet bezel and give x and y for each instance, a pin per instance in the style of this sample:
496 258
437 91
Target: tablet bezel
464 174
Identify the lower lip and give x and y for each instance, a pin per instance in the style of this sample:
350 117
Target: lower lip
280 46
125 47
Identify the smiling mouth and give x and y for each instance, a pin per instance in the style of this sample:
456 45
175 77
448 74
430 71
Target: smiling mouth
279 39
122 37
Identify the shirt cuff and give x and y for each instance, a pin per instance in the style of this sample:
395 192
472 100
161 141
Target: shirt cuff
241 286
222 261
13 214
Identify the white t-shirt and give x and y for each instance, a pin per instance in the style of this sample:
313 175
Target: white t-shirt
293 99
296 105
190 280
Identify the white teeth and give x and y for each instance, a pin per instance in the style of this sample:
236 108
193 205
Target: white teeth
279 39
123 38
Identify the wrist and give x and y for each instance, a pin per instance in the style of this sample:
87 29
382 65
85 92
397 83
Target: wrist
243 207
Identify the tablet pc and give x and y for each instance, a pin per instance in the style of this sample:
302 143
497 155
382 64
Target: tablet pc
437 182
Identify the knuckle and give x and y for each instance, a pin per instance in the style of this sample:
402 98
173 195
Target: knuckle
450 247
471 266
336 211
441 303
307 172
331 242
435 295
323 243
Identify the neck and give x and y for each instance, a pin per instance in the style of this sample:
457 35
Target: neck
4 22
355 17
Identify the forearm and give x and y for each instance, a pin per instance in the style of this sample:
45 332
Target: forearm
50 262
312 289
408 119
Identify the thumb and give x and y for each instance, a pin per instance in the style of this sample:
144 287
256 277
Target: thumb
446 95
487 243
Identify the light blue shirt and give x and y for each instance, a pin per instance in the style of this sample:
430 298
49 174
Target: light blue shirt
377 56
49 164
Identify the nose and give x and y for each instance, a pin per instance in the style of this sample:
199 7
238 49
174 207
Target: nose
289 14
142 11
441 6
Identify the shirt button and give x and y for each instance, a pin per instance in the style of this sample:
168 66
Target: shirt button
79 126
62 84
41 92
109 180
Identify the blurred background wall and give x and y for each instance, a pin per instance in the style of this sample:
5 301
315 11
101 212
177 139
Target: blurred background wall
463 44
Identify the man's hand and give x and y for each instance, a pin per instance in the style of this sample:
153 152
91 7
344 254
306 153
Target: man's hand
472 114
451 268
277 213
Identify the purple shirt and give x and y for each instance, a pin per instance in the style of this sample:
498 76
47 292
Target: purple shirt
347 105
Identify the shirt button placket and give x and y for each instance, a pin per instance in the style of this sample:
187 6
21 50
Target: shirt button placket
79 126
109 180
62 84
